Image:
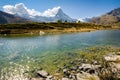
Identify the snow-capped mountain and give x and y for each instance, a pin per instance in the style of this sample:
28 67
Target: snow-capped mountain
84 19
50 15
60 15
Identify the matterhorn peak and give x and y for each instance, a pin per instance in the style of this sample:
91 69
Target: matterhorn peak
52 12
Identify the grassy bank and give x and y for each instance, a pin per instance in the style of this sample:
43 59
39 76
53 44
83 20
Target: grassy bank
49 28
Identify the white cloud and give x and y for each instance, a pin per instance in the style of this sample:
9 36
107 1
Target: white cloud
21 10
51 12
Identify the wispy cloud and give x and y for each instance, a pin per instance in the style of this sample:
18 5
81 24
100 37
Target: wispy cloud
21 10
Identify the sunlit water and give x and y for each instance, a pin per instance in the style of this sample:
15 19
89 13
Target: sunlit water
18 54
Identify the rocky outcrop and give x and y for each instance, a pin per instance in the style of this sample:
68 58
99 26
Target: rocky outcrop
82 70
114 62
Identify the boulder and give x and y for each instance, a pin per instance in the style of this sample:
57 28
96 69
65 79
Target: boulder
42 74
86 66
112 58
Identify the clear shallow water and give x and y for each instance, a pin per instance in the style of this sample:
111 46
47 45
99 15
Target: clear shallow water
24 50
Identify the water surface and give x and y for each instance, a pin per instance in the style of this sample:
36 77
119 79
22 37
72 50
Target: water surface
27 51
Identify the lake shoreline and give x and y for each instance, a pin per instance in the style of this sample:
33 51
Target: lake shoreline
48 32
51 28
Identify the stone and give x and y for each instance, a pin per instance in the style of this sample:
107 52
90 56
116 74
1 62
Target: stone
74 68
37 79
112 58
58 70
65 79
91 71
118 53
115 67
49 78
57 76
86 76
80 68
41 33
72 62
74 77
86 66
42 74
70 76
64 70
96 63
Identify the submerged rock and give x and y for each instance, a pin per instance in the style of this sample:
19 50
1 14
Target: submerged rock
13 56
82 70
112 58
42 74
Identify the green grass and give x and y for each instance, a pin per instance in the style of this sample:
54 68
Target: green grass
34 27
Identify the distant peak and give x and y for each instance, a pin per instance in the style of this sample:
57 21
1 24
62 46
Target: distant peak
59 10
58 7
52 12
115 12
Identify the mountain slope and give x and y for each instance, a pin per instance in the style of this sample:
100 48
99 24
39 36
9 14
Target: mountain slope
115 12
62 16
8 18
108 18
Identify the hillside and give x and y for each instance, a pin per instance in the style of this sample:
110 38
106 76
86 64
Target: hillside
8 18
112 18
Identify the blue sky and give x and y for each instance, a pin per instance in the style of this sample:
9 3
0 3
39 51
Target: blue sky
74 8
